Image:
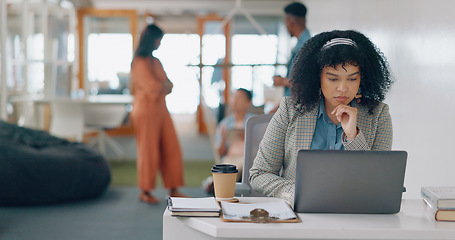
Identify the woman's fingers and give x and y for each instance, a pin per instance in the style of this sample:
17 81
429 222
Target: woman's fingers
347 116
341 109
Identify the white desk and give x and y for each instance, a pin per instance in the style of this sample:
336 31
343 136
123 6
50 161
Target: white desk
411 223
68 118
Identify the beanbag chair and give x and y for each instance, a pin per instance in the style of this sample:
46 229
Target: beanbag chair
37 168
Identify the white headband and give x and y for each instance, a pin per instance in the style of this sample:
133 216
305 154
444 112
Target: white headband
338 41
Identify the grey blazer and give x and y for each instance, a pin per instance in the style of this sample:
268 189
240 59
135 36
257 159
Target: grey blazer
290 130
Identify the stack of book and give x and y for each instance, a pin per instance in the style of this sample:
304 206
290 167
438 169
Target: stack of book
193 207
441 202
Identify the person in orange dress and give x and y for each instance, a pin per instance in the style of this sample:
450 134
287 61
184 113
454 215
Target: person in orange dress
158 148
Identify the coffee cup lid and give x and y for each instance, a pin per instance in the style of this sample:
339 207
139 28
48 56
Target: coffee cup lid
224 168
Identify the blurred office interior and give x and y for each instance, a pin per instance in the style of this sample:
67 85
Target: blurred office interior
75 49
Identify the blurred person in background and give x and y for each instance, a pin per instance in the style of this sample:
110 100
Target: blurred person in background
157 143
295 21
230 133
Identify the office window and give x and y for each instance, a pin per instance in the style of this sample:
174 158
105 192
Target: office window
35 68
108 51
108 55
176 53
213 52
253 50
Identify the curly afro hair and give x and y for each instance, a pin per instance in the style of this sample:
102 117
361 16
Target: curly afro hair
310 60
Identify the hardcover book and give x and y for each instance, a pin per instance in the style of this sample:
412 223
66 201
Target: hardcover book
442 215
439 197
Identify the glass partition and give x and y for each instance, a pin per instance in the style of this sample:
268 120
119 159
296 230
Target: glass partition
109 54
37 48
15 52
107 42
213 53
59 69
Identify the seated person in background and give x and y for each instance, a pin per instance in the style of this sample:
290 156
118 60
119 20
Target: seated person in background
230 133
338 83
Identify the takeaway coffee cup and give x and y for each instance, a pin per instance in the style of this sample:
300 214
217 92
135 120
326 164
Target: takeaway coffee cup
224 178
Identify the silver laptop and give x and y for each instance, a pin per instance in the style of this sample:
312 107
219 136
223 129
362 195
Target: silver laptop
331 181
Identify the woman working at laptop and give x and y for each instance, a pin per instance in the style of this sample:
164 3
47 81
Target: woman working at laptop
338 81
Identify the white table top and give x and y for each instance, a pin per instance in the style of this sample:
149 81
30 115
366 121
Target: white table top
413 222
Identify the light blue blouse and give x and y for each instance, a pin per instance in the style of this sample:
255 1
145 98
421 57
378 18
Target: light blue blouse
327 135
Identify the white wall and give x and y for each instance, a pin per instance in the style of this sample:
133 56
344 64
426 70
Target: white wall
418 39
